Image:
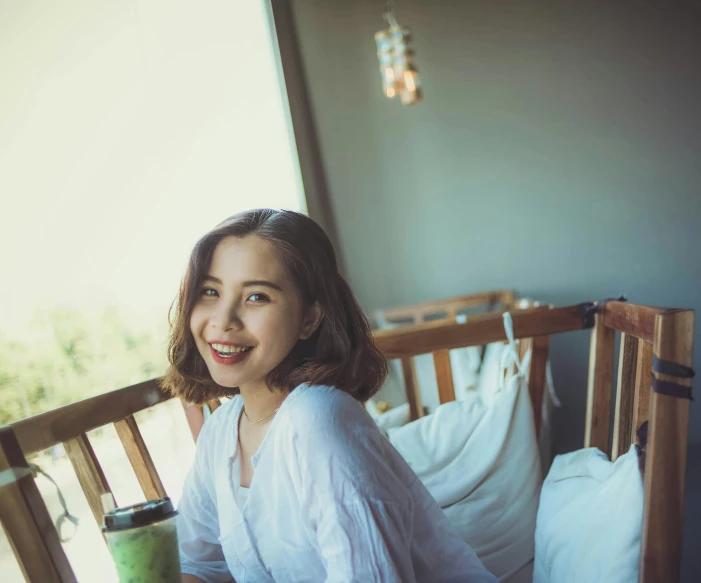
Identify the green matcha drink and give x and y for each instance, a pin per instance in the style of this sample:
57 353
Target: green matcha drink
144 542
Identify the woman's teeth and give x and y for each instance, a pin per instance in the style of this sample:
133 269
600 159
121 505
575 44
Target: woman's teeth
225 350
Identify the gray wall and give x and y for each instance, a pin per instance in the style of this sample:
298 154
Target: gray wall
556 153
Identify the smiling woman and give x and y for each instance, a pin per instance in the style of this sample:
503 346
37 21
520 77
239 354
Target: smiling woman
292 480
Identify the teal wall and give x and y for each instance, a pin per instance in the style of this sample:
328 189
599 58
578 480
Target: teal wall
556 153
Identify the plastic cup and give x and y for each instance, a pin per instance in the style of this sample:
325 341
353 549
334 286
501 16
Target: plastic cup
143 542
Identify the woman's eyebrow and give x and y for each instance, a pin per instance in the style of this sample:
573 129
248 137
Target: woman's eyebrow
252 283
263 283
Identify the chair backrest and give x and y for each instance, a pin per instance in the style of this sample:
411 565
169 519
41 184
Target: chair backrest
653 387
448 308
23 513
431 331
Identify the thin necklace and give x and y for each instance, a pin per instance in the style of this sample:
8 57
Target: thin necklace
259 420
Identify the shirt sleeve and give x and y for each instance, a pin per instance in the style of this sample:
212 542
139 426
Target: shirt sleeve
357 510
201 554
365 540
369 514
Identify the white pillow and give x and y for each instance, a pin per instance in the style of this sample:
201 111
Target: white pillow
481 464
590 519
395 417
490 376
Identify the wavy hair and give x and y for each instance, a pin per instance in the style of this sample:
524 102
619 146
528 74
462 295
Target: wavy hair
341 353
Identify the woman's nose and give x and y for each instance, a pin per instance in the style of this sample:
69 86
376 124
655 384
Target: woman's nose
226 318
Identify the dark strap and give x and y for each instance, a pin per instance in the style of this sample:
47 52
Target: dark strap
588 309
641 446
670 389
672 369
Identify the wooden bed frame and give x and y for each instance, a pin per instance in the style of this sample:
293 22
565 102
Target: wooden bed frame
647 333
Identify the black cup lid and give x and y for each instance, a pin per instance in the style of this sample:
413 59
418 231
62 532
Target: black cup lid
141 514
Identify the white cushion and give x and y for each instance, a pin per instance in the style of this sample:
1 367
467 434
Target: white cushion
481 464
590 519
395 417
490 377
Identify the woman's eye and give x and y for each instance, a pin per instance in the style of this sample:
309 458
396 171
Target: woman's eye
258 298
208 291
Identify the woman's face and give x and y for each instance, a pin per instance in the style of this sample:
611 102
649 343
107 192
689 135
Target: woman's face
248 314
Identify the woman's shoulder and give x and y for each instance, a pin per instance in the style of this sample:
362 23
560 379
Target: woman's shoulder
312 407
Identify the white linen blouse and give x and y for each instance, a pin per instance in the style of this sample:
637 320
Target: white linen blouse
331 501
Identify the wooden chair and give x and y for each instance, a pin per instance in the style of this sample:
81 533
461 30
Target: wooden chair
651 339
649 335
449 308
24 515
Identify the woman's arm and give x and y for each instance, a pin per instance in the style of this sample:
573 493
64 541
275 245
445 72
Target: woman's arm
201 556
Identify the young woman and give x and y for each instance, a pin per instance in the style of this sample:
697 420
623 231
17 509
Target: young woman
292 481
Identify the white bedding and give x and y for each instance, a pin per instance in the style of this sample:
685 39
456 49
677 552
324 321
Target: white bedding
480 461
590 519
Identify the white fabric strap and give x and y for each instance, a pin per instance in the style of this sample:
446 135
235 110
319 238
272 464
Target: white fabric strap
12 475
510 355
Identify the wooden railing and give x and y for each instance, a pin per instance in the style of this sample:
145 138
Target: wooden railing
449 308
646 332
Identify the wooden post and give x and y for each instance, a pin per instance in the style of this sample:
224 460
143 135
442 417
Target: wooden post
444 376
195 418
411 389
89 472
625 394
641 399
140 458
26 519
596 430
665 463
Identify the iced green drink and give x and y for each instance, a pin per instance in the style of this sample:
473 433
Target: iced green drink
143 542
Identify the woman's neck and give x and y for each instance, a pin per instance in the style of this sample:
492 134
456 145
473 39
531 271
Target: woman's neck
259 401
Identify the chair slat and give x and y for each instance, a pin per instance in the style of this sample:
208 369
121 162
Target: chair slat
625 395
601 357
665 464
641 398
444 376
411 389
89 472
140 458
26 520
195 418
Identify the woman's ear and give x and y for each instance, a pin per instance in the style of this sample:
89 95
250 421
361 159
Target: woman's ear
311 322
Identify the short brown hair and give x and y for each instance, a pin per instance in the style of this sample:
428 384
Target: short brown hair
341 353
